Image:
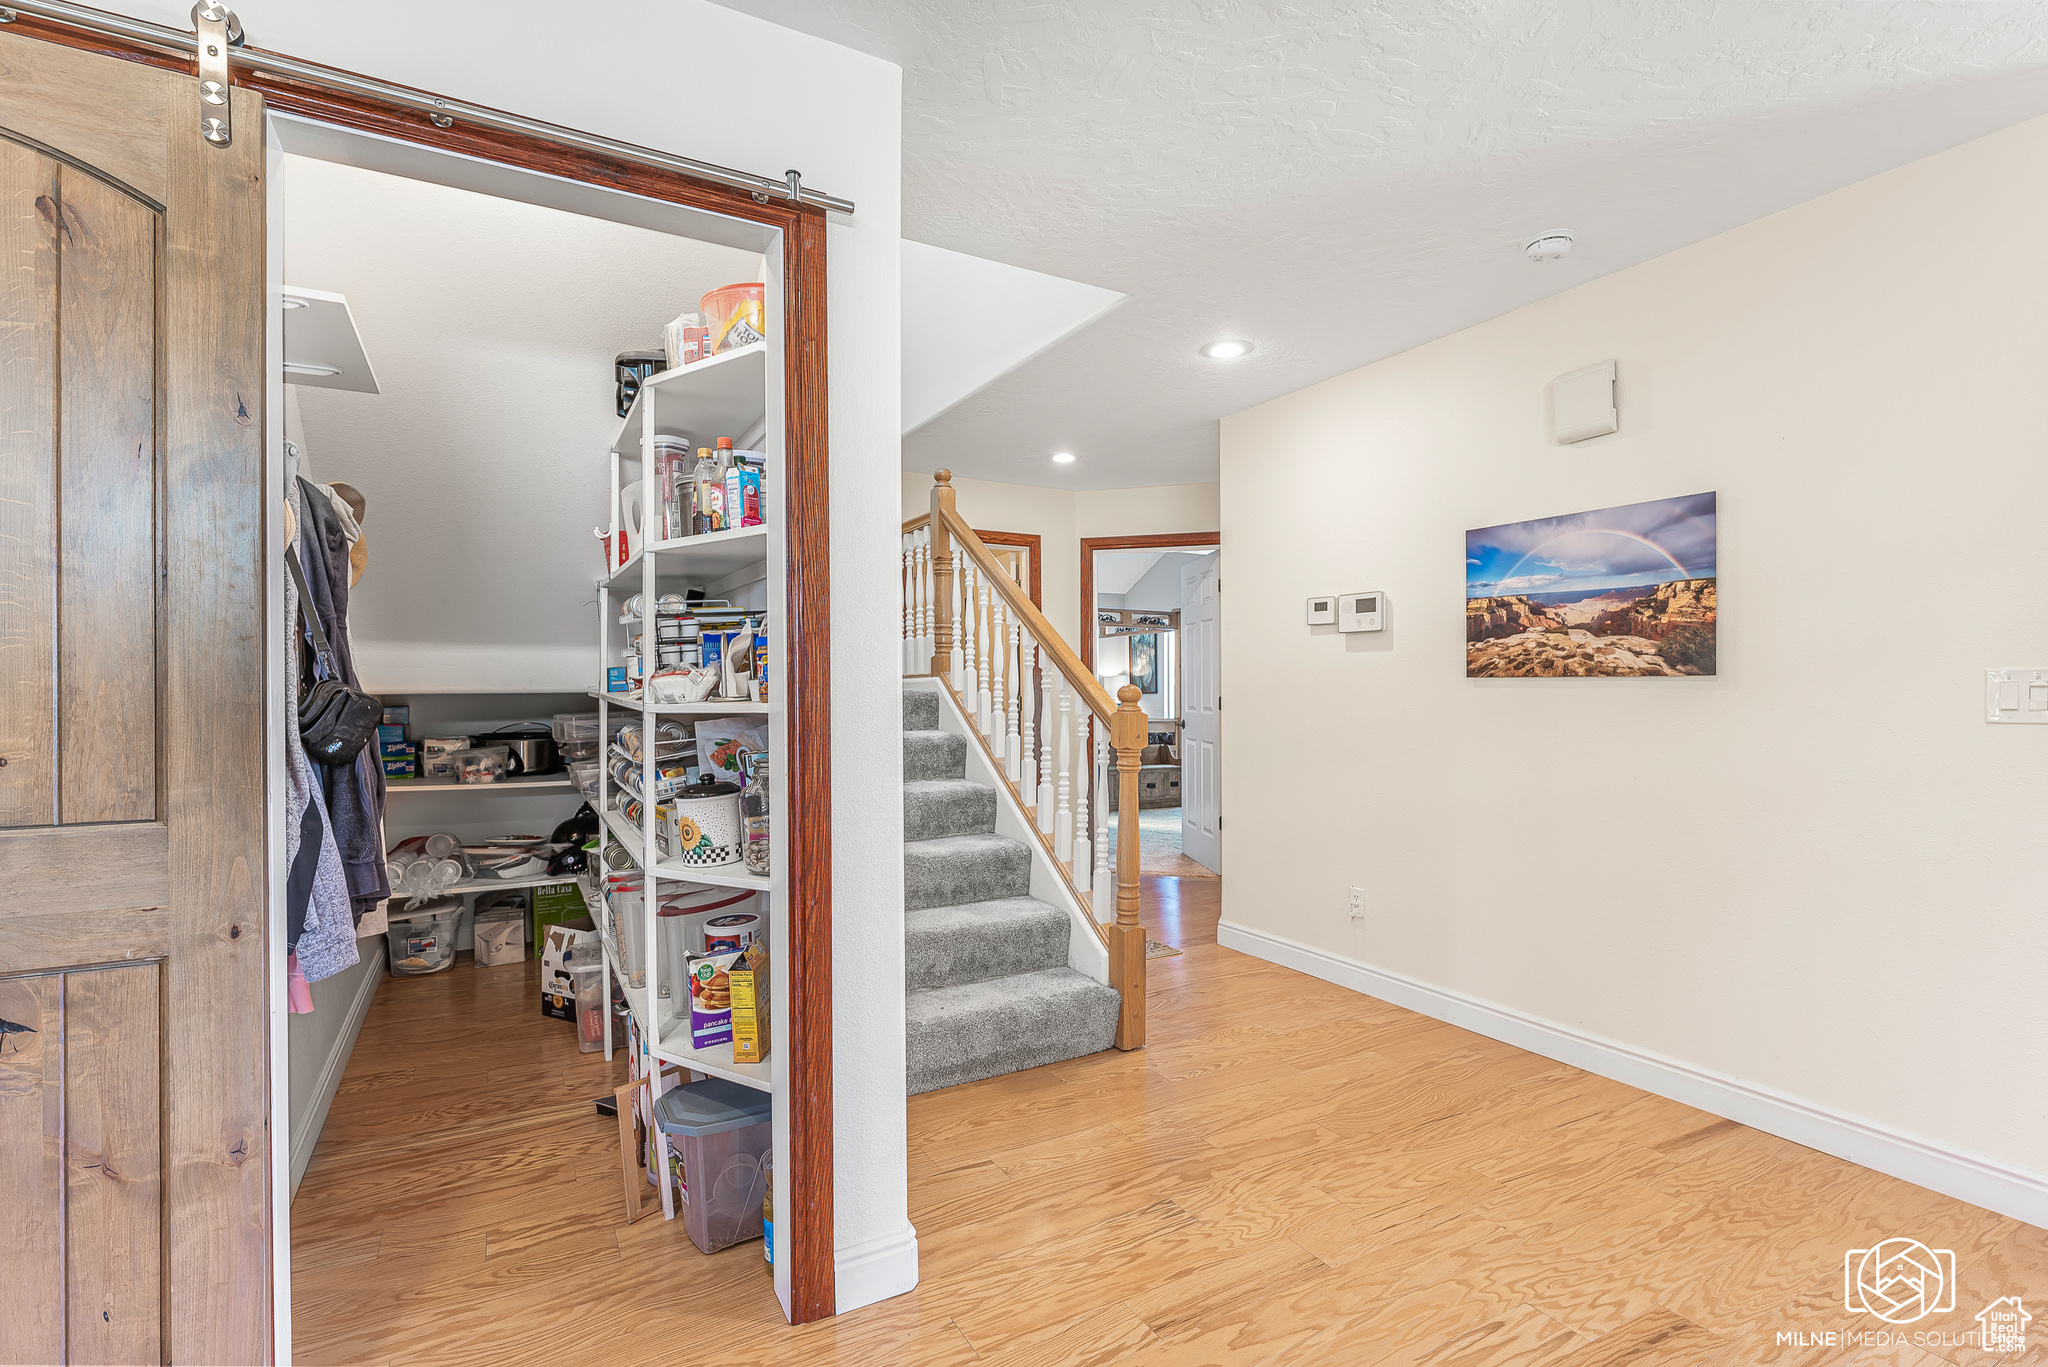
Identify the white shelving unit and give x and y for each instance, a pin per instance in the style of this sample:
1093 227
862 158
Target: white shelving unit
523 784
738 395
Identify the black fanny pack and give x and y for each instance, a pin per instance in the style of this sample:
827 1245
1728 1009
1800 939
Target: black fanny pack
335 721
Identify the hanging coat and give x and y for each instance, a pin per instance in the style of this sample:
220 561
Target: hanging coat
355 791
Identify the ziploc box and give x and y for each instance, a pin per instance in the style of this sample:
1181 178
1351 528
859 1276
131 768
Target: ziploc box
711 999
750 1003
388 735
398 716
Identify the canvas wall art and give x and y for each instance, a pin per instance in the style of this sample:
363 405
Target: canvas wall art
1610 593
1145 662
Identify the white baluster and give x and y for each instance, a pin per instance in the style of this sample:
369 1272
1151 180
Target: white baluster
1013 746
999 719
982 700
1026 772
955 674
1048 671
1105 777
1063 819
909 597
1084 860
924 632
970 682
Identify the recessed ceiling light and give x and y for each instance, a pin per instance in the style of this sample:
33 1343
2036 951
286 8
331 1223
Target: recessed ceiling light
1226 351
292 301
308 368
1063 458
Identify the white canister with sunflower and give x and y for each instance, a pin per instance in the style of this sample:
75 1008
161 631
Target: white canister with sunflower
705 830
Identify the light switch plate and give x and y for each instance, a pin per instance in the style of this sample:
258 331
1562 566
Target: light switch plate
1322 610
2016 696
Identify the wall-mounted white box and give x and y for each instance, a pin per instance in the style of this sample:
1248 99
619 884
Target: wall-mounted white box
1582 404
1361 611
1322 610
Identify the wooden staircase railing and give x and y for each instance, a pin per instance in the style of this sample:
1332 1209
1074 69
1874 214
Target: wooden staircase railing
1037 710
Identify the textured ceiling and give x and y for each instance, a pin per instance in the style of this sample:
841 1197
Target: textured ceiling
1338 182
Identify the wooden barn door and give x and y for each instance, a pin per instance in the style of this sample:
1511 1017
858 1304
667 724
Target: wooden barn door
134 1125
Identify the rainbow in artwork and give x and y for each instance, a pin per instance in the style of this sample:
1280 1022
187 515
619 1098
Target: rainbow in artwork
1614 592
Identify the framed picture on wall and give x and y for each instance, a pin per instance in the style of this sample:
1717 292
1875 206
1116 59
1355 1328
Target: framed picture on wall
1613 592
1145 662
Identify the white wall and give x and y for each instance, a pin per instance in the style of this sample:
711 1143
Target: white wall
836 115
1061 517
1818 874
970 321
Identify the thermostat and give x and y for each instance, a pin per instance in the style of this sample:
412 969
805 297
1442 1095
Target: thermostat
1361 611
1322 611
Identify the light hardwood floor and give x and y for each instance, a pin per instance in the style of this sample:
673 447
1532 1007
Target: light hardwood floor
1288 1173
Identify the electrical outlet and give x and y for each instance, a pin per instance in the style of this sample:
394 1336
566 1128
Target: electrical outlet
1358 904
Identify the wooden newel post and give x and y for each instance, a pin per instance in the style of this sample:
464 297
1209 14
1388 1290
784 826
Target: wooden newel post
942 577
1127 937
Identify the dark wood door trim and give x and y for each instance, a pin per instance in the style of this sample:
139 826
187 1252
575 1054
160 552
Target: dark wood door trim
1091 544
1029 541
804 1195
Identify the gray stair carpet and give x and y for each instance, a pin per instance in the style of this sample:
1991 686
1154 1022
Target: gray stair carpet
985 962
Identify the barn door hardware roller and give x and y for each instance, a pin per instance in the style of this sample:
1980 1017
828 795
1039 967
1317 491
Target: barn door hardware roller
217 30
218 45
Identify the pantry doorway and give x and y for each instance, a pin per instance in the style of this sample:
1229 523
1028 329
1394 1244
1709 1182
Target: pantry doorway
154 1004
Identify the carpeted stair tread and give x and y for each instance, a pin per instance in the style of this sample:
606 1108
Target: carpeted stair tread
1001 1025
957 869
938 807
934 754
951 946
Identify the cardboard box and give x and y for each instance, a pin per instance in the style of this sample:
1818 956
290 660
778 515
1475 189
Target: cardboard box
407 767
750 1004
388 736
565 943
711 999
395 749
554 903
398 716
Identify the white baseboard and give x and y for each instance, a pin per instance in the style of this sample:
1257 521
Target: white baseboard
875 1270
307 1132
1966 1176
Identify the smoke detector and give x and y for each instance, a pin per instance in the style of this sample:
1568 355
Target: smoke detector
1549 246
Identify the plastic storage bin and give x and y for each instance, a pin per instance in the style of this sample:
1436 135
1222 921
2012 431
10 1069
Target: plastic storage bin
589 981
723 1133
423 941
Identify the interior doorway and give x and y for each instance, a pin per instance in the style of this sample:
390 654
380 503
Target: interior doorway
1150 607
476 405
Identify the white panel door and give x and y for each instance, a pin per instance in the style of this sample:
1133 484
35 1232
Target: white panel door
1201 826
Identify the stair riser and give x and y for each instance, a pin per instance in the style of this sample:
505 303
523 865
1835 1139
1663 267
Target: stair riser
934 815
934 754
950 879
920 710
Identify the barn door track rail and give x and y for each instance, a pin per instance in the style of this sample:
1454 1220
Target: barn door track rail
216 45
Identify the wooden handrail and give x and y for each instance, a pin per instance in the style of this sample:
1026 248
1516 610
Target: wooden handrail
1125 720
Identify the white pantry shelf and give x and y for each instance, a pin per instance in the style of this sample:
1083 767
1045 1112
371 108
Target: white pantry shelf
524 783
724 876
711 707
698 559
720 396
715 1060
